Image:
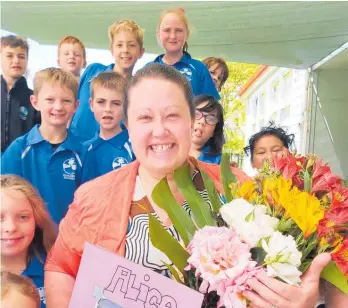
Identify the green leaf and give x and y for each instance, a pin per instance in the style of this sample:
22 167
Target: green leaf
174 272
332 274
162 240
227 177
181 220
307 181
200 208
212 192
258 254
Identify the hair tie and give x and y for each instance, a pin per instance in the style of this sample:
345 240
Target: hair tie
182 9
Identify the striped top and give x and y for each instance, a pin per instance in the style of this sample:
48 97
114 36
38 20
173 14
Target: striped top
139 248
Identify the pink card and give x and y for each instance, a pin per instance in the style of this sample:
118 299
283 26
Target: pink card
106 280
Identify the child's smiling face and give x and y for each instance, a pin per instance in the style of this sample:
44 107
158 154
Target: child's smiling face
17 223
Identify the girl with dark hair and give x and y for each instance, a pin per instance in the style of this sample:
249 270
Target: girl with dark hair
270 141
27 231
207 138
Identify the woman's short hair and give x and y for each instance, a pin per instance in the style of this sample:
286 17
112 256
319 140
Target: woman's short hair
270 130
165 72
216 142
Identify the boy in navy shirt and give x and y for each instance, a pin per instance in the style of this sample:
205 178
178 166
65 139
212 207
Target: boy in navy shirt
126 45
17 114
110 149
49 156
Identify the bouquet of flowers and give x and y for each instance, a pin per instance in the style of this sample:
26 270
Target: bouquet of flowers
276 222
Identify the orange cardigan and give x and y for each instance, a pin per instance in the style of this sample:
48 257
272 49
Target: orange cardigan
99 215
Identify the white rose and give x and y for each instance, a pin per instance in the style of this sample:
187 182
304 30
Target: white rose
251 222
236 211
283 257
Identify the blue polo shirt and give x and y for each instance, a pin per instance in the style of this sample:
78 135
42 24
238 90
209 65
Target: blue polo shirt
196 72
35 271
209 158
108 155
55 173
83 124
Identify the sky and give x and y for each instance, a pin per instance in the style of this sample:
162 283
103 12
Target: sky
43 56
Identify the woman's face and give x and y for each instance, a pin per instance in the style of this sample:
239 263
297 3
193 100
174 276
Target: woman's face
203 131
266 148
159 125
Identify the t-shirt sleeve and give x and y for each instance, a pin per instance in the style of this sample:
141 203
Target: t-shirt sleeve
11 160
207 84
65 255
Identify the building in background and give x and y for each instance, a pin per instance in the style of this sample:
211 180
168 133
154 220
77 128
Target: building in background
279 95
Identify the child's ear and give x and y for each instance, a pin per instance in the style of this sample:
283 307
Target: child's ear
142 50
34 103
84 64
77 105
58 62
91 103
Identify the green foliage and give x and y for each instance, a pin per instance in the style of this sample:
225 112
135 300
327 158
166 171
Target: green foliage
332 274
163 241
200 208
227 177
234 109
164 198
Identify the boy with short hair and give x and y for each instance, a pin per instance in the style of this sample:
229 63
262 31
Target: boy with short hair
17 114
110 149
49 156
218 70
72 55
126 44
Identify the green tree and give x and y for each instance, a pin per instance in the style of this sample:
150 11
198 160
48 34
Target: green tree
234 109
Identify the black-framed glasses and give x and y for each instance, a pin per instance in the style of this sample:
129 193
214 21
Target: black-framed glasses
210 119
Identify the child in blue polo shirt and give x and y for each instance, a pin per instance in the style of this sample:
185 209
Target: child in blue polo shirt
110 149
126 45
208 136
172 34
48 156
27 232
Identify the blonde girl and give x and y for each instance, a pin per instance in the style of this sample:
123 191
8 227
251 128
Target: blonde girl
27 231
172 34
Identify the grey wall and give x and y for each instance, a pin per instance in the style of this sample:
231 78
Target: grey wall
332 85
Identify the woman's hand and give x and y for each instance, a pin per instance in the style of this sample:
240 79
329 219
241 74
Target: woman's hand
269 292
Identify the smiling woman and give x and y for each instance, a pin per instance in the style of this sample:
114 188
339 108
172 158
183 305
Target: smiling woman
113 210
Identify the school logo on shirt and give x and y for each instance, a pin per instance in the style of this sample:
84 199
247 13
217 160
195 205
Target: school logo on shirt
119 162
23 112
69 167
187 73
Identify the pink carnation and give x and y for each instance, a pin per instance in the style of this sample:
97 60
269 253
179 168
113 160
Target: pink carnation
223 262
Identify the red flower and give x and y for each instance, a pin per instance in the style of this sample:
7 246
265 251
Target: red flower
320 169
340 256
287 164
335 220
339 197
326 182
